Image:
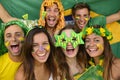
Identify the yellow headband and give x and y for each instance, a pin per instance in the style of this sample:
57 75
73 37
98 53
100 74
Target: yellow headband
102 31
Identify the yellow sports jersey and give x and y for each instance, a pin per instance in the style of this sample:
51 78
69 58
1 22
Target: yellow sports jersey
7 67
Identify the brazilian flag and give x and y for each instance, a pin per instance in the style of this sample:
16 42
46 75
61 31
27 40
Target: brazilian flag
18 8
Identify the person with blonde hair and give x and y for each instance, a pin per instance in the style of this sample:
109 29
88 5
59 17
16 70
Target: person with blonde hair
52 15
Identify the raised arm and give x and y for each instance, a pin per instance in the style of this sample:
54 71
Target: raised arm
113 17
4 15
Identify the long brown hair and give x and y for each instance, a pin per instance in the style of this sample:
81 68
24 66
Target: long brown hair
62 62
108 57
28 62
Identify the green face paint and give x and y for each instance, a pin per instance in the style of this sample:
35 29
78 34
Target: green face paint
44 14
62 40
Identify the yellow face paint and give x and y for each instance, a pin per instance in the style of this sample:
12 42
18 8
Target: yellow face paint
21 39
100 46
7 43
77 18
86 19
48 48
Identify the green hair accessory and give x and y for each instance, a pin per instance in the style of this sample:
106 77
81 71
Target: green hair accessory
25 16
62 40
33 28
15 22
102 31
3 48
44 14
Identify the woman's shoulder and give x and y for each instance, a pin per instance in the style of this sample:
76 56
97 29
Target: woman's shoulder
20 73
115 68
116 61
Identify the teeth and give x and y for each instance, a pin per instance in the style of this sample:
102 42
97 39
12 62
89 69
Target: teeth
52 18
70 49
92 50
41 54
81 24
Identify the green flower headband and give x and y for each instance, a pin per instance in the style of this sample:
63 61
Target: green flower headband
62 40
102 31
3 26
33 28
15 22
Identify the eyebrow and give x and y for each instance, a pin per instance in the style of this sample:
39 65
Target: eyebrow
43 41
46 41
93 38
15 33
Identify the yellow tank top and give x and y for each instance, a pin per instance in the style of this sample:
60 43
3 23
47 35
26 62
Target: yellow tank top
8 67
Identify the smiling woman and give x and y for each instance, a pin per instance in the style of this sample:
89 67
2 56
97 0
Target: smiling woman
71 61
98 48
38 57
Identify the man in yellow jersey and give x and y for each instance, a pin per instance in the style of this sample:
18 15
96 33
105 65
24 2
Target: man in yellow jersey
11 41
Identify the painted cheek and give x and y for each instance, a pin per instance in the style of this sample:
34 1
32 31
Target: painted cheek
86 19
100 46
48 48
41 48
44 13
21 39
7 43
77 18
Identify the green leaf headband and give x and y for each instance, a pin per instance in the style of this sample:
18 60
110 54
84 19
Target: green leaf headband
62 40
102 31
33 28
3 49
15 22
